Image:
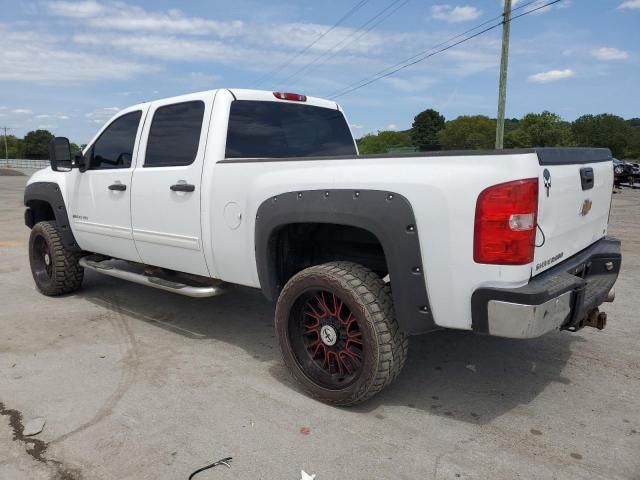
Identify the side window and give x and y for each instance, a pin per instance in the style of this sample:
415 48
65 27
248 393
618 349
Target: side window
114 148
174 135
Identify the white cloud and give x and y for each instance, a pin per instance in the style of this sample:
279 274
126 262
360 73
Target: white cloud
410 84
21 111
485 56
120 16
455 14
608 53
551 76
101 115
630 4
154 37
200 79
176 48
84 9
356 126
392 126
46 59
56 116
296 35
48 126
116 41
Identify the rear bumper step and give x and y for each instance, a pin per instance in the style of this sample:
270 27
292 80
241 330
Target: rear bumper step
150 281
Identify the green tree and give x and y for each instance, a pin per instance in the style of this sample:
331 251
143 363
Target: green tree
632 150
510 124
544 129
425 128
468 132
381 141
36 144
14 146
604 130
634 122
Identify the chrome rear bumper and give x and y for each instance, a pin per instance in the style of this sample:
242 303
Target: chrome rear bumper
562 298
517 320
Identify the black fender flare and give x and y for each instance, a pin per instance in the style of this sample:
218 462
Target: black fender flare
49 192
387 215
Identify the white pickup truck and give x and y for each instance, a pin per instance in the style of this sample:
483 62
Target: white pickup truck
266 189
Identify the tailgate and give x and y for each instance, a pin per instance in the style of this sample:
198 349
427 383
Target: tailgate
574 200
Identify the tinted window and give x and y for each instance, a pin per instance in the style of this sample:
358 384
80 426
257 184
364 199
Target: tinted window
114 148
276 130
175 135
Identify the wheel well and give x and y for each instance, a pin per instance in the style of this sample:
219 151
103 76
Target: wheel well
297 246
40 211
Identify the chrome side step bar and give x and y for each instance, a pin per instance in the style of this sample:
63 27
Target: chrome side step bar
155 282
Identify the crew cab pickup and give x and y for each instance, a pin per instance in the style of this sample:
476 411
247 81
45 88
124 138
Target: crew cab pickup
196 193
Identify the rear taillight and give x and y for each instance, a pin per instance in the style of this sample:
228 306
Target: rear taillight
505 227
294 97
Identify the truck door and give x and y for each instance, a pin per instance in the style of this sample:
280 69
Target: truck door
165 198
100 197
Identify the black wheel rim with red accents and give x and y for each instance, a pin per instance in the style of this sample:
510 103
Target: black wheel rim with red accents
42 260
326 339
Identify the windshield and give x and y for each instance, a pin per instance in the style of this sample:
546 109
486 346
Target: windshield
259 129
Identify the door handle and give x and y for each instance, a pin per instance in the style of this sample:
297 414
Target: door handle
182 187
586 178
118 187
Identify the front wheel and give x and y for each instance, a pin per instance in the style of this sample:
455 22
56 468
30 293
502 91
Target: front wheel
55 269
338 334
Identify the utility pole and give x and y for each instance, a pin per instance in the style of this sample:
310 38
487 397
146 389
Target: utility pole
504 62
6 146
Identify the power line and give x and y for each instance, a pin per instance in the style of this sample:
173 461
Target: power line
353 10
419 54
331 52
419 57
431 48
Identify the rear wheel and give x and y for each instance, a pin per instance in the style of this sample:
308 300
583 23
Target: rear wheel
338 334
55 270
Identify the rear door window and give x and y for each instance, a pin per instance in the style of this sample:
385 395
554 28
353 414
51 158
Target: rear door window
260 129
174 135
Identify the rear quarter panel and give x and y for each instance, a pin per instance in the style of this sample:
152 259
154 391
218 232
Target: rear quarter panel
442 191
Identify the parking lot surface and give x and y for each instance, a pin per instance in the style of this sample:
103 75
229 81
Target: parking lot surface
135 383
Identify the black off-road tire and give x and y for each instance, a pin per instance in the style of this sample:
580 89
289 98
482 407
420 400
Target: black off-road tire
61 273
369 299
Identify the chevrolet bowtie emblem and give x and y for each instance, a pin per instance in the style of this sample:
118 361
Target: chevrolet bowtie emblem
586 207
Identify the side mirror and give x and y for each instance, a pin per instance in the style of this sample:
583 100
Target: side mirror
60 154
61 158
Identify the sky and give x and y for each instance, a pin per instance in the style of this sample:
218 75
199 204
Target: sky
68 66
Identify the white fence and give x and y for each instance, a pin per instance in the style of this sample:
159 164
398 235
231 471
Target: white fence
23 163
